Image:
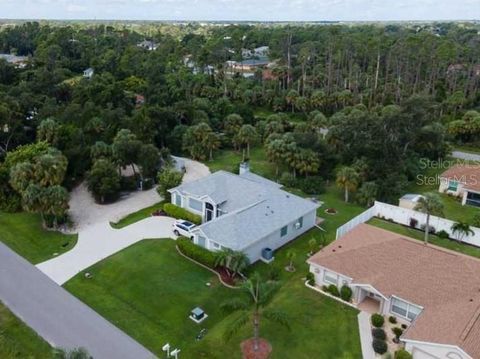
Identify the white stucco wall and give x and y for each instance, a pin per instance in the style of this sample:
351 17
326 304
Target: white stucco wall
422 350
275 240
319 273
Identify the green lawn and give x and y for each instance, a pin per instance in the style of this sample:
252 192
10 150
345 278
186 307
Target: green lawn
24 234
148 290
19 341
417 234
137 216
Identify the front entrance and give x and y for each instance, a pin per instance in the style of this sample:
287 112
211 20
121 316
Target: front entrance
369 302
208 212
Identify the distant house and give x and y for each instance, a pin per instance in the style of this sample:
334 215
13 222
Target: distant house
19 62
148 45
409 200
88 73
463 181
244 212
261 51
435 290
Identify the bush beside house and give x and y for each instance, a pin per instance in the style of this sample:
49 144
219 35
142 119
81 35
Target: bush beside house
346 293
195 252
377 320
181 213
402 354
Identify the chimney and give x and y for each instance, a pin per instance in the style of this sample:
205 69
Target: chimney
244 168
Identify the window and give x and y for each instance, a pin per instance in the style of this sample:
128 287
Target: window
283 231
215 245
178 200
405 309
299 223
195 205
452 186
330 277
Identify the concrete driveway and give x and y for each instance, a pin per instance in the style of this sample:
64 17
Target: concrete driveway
57 316
100 241
194 170
466 156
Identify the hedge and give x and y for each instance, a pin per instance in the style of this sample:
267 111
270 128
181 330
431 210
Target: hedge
377 320
379 346
402 354
379 333
333 290
195 252
346 293
181 213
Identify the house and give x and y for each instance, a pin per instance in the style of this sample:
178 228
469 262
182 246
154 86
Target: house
261 51
244 212
20 62
410 200
88 73
147 45
462 180
434 289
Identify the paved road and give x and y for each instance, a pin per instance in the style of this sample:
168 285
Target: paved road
57 316
100 241
465 156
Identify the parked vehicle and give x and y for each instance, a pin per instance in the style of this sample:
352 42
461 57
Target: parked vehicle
183 228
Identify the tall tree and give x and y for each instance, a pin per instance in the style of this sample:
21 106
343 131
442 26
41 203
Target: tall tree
245 137
430 204
461 230
347 179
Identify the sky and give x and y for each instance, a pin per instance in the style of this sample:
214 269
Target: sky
255 10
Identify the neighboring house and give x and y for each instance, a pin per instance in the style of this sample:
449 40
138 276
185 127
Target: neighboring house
148 45
436 290
462 181
261 51
88 73
244 212
410 200
20 62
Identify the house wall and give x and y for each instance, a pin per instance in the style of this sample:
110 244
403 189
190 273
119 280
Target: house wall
319 273
185 205
274 240
443 188
423 350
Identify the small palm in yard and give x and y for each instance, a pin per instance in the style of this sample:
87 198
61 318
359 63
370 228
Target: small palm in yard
430 204
313 246
234 262
290 256
347 179
461 230
257 293
78 353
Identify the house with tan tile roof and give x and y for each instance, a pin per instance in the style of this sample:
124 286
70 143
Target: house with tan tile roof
436 290
462 180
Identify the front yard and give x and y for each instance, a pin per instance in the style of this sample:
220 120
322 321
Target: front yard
148 290
23 233
17 341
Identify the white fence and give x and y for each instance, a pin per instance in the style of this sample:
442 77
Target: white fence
403 216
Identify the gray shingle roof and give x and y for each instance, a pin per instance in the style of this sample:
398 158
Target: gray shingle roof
255 207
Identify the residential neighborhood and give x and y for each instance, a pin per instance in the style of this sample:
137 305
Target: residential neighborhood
255 180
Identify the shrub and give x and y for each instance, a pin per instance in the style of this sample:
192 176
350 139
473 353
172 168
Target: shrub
397 331
392 319
379 333
431 229
413 222
310 185
403 354
379 346
377 320
287 180
333 290
476 220
273 272
128 183
181 213
147 184
310 278
404 326
168 178
443 234
346 293
195 252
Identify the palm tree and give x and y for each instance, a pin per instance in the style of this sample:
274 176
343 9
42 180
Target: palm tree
291 256
257 294
312 245
223 259
462 230
239 262
211 143
430 204
275 153
347 178
245 136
